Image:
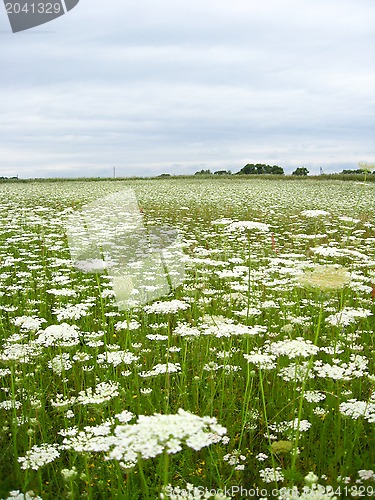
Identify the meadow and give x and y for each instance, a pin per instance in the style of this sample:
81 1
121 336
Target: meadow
254 378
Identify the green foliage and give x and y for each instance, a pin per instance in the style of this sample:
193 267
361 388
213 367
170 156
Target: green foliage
203 172
260 168
358 171
300 171
223 172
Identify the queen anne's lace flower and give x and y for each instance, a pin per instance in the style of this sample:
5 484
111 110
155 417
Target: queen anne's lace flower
248 225
38 456
63 335
148 437
298 347
355 409
172 306
262 361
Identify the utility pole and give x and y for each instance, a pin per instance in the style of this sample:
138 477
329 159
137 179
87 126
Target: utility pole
114 172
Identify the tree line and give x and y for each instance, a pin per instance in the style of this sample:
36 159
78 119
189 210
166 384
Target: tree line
255 169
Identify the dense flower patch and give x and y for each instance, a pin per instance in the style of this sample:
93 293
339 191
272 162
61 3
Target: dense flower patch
257 370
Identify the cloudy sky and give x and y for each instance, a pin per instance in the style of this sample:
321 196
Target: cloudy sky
156 86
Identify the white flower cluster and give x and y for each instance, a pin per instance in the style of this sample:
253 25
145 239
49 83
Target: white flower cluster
10 404
159 369
298 347
167 307
290 428
127 325
62 292
20 353
29 323
270 475
366 475
355 409
314 396
72 311
38 456
101 393
115 358
315 213
248 225
340 370
347 316
17 495
60 363
235 459
157 337
62 335
184 330
326 278
148 437
262 361
225 327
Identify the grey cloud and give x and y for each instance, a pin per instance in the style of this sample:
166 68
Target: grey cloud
152 84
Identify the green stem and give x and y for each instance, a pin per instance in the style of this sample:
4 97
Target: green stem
303 388
144 486
266 419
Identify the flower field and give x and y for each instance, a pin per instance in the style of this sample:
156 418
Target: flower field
254 377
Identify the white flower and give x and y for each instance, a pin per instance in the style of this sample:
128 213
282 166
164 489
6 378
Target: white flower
356 409
127 325
20 353
262 361
148 437
340 370
115 358
293 348
247 225
366 475
184 330
29 323
347 316
169 307
38 456
99 394
17 495
314 213
269 475
72 311
314 396
60 363
63 335
162 368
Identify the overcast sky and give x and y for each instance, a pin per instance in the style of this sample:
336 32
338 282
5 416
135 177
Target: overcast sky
172 86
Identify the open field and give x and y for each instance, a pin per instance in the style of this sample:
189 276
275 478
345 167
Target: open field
257 372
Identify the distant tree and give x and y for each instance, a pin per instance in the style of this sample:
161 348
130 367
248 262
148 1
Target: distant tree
164 175
357 172
277 170
223 172
260 168
203 172
300 171
248 169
